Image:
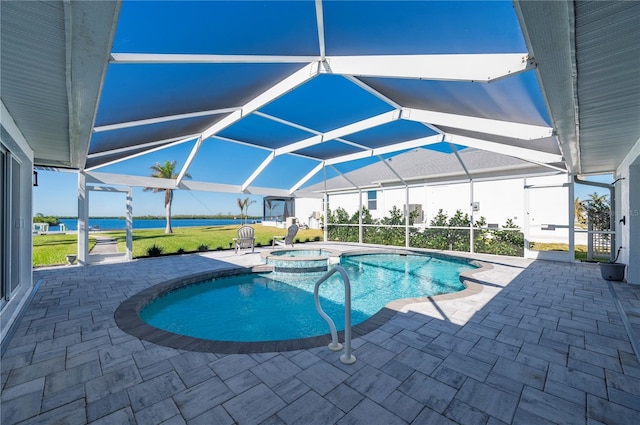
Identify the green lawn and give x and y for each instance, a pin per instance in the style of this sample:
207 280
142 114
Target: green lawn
580 250
52 249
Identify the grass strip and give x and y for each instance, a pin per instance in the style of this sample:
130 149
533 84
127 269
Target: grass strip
52 249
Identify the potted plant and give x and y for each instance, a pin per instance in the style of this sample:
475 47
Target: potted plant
613 270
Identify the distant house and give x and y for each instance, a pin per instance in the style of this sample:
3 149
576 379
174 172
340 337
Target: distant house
483 184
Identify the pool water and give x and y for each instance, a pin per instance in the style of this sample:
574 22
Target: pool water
264 307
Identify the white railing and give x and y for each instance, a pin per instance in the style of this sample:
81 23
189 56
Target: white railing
347 357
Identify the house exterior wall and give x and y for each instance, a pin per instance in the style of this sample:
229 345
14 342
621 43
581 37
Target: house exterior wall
307 210
16 214
628 206
498 200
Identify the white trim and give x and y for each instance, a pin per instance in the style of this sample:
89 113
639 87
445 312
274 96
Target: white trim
163 119
257 171
481 125
457 67
320 24
155 58
306 178
336 133
292 81
423 141
169 144
14 131
517 152
165 144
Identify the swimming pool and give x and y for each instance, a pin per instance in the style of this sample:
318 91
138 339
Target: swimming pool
264 307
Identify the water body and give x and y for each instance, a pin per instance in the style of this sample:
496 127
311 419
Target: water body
266 307
117 224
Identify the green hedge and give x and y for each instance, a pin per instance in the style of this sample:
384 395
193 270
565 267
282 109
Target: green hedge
445 237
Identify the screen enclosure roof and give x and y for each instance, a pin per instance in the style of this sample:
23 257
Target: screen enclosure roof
272 97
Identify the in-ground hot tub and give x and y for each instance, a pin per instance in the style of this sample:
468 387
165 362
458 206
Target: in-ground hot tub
299 261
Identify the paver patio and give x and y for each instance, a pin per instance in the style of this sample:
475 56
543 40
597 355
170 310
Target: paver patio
543 342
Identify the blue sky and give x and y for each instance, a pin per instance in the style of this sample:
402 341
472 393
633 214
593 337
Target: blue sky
57 194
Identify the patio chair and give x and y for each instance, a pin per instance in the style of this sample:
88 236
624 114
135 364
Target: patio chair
245 238
292 231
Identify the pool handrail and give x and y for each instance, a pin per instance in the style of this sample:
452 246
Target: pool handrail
347 357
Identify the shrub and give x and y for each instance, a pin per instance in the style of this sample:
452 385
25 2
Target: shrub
203 248
297 240
316 239
180 251
154 250
258 244
307 240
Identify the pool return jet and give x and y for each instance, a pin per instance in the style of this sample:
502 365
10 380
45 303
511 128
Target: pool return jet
347 357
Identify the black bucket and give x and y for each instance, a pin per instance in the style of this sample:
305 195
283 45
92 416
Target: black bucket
612 271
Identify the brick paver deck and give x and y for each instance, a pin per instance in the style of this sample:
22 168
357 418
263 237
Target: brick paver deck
542 343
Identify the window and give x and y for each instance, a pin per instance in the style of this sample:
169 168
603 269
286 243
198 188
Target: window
372 200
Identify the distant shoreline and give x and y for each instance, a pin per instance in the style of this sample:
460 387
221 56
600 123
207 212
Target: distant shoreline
162 217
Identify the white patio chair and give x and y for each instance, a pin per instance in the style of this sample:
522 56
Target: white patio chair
292 231
245 238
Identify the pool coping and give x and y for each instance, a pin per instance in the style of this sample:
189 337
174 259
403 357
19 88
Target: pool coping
128 319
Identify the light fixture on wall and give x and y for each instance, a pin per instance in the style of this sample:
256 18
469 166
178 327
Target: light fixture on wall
35 178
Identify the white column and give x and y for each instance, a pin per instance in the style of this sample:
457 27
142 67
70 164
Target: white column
471 235
83 219
326 217
359 216
129 248
406 217
572 216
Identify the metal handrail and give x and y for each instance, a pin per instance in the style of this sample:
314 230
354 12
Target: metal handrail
347 357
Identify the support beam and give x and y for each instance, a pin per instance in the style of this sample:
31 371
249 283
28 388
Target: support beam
320 23
345 177
423 141
158 120
147 181
162 143
458 67
156 58
365 124
306 178
292 81
187 164
522 153
480 125
258 170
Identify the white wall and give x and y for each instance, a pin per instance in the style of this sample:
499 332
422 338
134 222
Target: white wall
499 200
305 207
628 206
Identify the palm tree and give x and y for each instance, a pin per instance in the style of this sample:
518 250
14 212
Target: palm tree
247 202
243 204
269 204
165 171
580 211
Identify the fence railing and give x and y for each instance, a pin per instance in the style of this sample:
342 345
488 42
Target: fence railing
491 240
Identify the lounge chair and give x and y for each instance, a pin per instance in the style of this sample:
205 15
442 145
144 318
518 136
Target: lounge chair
292 231
245 238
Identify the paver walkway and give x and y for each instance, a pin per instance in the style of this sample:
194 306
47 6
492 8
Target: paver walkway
104 246
542 343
